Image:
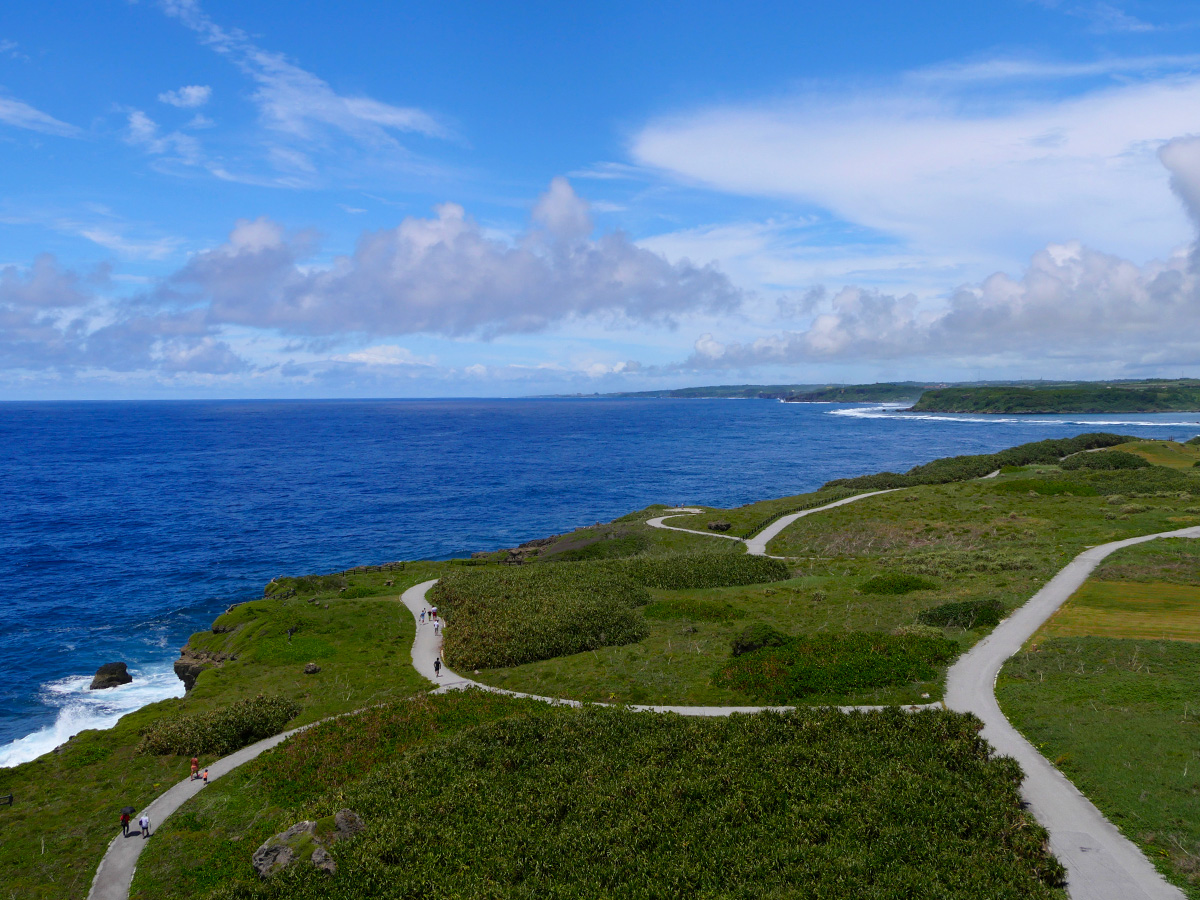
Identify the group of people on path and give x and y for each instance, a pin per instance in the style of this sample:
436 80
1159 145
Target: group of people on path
438 625
143 824
144 821
196 769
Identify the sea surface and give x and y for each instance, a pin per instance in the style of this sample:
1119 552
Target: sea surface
125 527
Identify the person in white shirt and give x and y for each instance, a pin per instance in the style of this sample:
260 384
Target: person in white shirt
144 821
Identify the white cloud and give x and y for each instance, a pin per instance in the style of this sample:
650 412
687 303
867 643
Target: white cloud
143 132
947 173
446 276
296 103
22 115
386 355
187 97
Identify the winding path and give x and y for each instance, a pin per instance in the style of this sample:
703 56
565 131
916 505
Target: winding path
1101 863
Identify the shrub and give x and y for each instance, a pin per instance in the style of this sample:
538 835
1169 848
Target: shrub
611 803
1043 487
694 610
364 590
756 637
966 614
964 468
221 731
1109 460
691 571
834 665
508 615
897 583
1131 509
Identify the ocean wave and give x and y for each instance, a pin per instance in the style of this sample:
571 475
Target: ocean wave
893 412
80 709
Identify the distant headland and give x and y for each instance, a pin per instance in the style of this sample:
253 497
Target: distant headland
997 397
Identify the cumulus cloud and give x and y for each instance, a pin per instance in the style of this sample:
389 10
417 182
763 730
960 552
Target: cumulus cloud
187 97
1072 303
54 319
445 276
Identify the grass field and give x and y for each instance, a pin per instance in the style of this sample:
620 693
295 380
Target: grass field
1118 709
1129 609
473 796
1164 453
1121 719
66 804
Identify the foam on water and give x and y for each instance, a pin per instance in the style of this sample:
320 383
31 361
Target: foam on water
896 413
80 709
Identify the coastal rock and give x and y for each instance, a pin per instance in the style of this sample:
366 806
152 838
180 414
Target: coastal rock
306 840
192 662
111 675
278 852
323 861
348 822
311 668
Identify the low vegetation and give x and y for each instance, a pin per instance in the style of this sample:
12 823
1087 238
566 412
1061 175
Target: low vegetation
1129 397
897 583
1105 460
967 614
220 731
1120 718
832 664
962 468
508 615
605 802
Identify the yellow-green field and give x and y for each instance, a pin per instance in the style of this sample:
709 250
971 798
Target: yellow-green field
1164 453
1124 609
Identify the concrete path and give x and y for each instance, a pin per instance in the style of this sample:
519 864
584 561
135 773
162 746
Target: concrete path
114 875
756 545
1101 863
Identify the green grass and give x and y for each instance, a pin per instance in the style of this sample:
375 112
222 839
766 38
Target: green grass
1121 719
1145 610
586 803
67 803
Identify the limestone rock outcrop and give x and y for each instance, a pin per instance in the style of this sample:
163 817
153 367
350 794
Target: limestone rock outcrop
111 675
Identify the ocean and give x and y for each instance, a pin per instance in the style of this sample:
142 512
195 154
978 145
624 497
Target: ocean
125 527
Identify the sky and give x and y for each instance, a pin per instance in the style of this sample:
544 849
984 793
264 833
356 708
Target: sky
310 199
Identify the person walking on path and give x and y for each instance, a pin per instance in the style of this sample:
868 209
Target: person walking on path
125 824
422 615
437 666
144 821
437 628
195 766
206 776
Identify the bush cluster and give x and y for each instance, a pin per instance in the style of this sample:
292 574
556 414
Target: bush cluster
964 614
948 563
1105 460
897 583
834 665
692 571
589 803
756 637
221 731
963 468
509 615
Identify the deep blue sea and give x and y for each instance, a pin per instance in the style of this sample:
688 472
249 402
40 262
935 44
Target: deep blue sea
124 527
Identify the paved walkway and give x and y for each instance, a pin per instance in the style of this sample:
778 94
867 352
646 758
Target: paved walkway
1101 863
756 545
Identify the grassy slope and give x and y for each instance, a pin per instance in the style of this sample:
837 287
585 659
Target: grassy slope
67 803
545 801
1121 717
1164 453
979 540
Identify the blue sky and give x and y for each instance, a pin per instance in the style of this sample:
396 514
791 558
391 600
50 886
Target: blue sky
315 199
